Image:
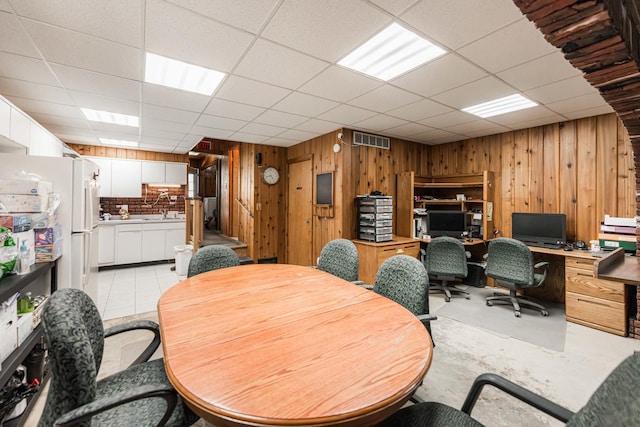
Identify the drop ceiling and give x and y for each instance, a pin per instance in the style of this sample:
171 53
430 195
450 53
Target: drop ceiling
282 85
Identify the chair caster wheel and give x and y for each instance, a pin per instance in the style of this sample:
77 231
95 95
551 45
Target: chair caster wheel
489 303
544 312
517 313
447 299
468 297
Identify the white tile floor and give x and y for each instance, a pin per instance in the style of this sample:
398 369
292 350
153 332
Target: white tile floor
134 290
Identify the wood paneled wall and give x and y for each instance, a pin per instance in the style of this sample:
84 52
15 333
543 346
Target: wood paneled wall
127 153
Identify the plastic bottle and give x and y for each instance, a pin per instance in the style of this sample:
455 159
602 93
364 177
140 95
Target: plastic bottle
23 266
25 303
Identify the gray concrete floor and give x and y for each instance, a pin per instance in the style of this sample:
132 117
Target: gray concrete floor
464 351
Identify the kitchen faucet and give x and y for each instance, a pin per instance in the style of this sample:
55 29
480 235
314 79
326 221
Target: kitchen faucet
164 213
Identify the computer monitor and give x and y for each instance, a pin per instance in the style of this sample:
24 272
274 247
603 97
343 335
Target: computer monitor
539 229
446 223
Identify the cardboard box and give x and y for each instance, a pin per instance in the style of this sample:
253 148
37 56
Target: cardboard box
47 236
25 327
48 253
8 326
19 203
24 186
16 222
29 238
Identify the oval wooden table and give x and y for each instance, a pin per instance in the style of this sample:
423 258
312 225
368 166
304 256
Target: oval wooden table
286 345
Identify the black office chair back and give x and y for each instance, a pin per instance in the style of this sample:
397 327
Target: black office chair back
404 280
446 256
511 261
340 258
210 258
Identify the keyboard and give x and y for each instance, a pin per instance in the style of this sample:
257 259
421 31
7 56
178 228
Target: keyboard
543 245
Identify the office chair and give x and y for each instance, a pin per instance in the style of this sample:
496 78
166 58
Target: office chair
510 263
446 262
340 258
614 403
210 258
404 280
138 395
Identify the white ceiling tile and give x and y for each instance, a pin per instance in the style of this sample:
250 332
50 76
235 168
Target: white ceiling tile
300 103
104 132
264 130
472 128
554 118
280 142
381 122
385 98
419 110
278 118
150 139
97 83
155 147
445 139
504 48
207 132
298 135
150 111
249 15
446 72
408 129
435 134
583 102
13 38
174 98
339 84
247 137
66 130
325 29
184 35
449 119
32 106
528 114
75 139
27 69
561 90
233 110
23 89
94 17
82 51
68 122
395 7
250 92
220 122
318 126
105 103
5 6
109 128
542 71
483 90
191 139
347 114
578 114
162 125
446 23
270 63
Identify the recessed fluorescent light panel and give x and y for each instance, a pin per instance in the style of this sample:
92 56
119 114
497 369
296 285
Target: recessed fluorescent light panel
108 117
390 53
504 105
180 75
118 142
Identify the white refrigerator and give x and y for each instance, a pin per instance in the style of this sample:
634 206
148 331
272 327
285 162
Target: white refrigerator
74 180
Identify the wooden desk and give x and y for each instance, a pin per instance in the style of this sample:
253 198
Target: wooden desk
371 255
275 344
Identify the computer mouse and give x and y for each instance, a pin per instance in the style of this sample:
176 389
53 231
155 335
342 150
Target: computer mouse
568 248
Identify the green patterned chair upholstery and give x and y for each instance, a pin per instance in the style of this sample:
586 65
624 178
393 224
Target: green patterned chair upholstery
340 258
613 404
446 263
404 280
510 263
212 257
140 395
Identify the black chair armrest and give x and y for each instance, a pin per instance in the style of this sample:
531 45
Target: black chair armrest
84 412
427 317
519 392
138 325
544 264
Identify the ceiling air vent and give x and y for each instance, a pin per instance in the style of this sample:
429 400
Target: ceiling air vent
369 140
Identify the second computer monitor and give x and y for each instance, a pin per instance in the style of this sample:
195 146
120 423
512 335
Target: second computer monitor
446 223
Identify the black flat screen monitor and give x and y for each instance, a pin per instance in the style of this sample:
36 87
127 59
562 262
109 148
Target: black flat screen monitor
446 223
539 229
324 188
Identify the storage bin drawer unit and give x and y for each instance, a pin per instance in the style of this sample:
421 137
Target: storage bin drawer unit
375 218
593 302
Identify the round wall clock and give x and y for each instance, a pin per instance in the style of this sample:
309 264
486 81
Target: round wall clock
270 175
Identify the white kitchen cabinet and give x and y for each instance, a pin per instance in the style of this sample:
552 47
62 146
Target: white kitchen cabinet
20 127
176 173
175 236
128 243
164 172
104 179
107 244
126 178
153 241
5 119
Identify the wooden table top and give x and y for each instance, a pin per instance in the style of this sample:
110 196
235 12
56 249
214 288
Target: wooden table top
276 344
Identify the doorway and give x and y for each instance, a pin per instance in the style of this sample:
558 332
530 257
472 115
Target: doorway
299 224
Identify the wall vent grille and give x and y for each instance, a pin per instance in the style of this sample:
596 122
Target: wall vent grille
369 140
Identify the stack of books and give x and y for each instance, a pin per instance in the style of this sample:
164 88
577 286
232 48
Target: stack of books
618 233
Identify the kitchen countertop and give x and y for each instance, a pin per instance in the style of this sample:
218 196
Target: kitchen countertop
143 219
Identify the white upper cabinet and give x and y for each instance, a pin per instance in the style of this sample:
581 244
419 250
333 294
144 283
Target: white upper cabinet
104 179
126 178
5 119
164 173
20 127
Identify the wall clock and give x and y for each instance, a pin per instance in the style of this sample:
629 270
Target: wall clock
270 175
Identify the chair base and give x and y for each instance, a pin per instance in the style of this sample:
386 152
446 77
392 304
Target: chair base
516 301
447 289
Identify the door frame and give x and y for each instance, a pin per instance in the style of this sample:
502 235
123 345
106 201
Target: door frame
298 159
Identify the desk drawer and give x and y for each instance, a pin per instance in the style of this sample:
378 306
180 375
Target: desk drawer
582 282
596 311
582 263
412 249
